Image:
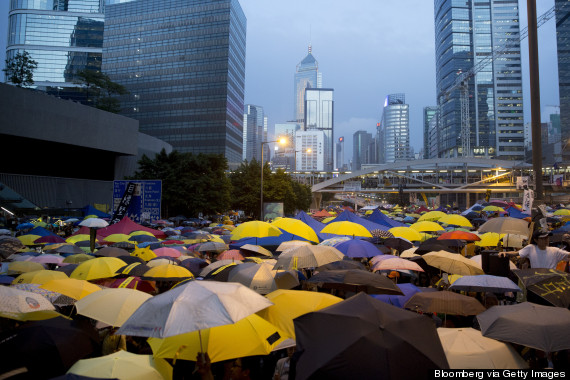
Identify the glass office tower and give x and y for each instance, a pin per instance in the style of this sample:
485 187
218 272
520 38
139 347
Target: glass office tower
563 45
306 76
254 133
396 125
62 36
319 115
429 113
467 32
183 63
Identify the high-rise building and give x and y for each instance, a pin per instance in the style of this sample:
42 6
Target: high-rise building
429 113
307 75
254 133
63 37
562 8
183 63
467 32
310 150
361 142
285 155
380 154
319 115
396 125
340 165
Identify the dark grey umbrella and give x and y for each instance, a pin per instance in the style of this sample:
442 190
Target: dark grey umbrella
355 280
9 245
545 328
444 302
111 252
71 249
364 338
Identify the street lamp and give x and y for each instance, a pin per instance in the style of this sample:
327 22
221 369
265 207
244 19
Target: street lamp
281 141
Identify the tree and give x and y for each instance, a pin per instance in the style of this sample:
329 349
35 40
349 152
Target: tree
102 89
246 182
20 69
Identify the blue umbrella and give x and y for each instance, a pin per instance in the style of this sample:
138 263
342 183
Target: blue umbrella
485 283
6 280
358 248
24 226
143 238
408 289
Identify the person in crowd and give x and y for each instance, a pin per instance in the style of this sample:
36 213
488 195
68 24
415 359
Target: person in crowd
283 365
539 253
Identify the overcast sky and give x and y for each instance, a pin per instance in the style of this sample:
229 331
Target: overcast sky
366 49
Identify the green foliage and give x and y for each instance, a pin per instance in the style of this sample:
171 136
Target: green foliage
20 69
191 184
246 183
101 90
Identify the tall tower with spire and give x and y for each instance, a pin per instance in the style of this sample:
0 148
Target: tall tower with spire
307 75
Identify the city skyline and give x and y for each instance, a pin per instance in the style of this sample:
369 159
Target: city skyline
364 53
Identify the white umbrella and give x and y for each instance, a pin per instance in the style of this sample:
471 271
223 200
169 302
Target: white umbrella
196 305
308 256
23 305
94 223
255 276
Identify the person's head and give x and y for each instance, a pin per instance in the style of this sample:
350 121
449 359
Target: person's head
541 239
243 368
291 351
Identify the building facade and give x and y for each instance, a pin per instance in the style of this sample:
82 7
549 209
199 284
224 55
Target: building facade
309 146
429 113
307 75
285 155
319 116
63 37
562 8
183 63
254 133
361 142
396 127
466 33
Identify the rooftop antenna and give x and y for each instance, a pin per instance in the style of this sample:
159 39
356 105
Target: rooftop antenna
310 38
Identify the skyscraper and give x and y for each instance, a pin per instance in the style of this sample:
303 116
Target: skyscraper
310 153
285 154
396 125
63 37
360 148
254 132
307 75
183 63
563 45
467 32
319 115
429 113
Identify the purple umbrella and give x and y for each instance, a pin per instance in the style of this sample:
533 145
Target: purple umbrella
408 289
358 248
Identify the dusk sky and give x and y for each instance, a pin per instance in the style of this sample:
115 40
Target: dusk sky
366 49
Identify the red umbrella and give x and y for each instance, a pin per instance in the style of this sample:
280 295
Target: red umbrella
133 283
231 254
459 235
168 242
165 251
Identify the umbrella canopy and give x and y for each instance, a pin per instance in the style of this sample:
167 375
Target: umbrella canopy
100 267
459 235
489 239
432 216
111 252
77 258
406 233
257 277
231 254
457 220
426 226
112 306
167 272
546 286
212 247
355 280
296 227
389 262
396 300
215 265
346 228
71 287
255 228
9 245
144 253
121 364
452 263
193 306
334 241
466 348
376 341
134 269
346 263
290 304
133 283
545 328
94 223
444 302
250 336
485 283
167 252
17 267
49 239
47 258
309 256
39 277
257 249
358 248
505 225
398 243
66 249
291 244
24 305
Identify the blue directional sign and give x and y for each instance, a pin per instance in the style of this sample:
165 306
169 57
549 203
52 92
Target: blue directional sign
145 202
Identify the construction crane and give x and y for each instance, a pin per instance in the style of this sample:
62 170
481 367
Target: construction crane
462 81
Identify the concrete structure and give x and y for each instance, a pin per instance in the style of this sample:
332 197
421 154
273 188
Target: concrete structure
62 151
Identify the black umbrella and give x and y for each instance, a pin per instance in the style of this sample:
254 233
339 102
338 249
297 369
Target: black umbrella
9 245
364 338
545 328
111 252
194 265
220 274
355 280
398 244
472 215
70 249
47 348
134 270
434 245
143 238
346 263
546 286
67 269
131 259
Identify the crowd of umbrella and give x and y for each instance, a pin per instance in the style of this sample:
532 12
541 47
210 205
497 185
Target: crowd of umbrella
234 291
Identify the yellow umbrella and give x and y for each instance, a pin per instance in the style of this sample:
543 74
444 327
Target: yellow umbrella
71 287
100 267
78 259
406 233
385 212
229 227
452 263
121 365
492 208
426 226
451 279
368 212
562 211
135 233
22 305
414 215
249 336
117 238
144 253
112 306
346 228
290 304
168 272
489 239
457 220
327 220
432 216
297 227
24 267
39 277
216 239
75 238
255 228
28 239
